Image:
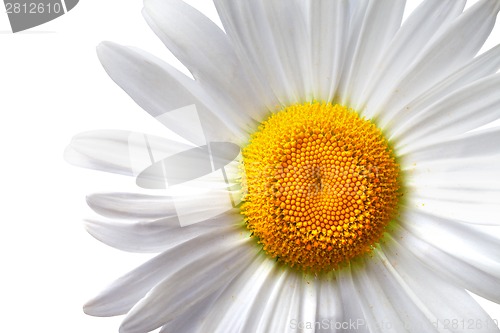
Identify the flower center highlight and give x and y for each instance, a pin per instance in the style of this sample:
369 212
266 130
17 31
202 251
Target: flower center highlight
321 184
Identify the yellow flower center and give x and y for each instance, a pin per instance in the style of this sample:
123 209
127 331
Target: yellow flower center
321 185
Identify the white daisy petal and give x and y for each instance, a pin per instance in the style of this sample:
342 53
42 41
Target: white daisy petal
151 236
329 21
444 54
468 108
122 152
354 317
308 302
451 265
478 68
329 307
470 174
131 205
167 95
207 52
378 26
183 288
453 183
125 292
410 40
440 301
357 11
459 195
470 205
478 144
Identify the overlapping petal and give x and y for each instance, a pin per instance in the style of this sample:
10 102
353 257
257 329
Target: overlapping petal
177 101
170 298
438 300
119 297
447 51
118 151
207 52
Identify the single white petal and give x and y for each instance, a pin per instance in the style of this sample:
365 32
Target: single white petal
440 300
457 194
378 26
450 49
451 265
482 143
131 205
329 25
470 205
357 12
142 237
353 314
152 236
119 297
329 307
185 287
167 94
207 52
122 152
478 68
308 303
468 108
467 174
423 23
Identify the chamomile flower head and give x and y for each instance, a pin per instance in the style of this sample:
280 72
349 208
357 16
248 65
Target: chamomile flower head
333 176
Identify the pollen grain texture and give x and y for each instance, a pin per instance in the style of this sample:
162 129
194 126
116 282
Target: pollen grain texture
321 184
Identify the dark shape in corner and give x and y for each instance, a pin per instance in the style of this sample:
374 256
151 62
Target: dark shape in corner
26 14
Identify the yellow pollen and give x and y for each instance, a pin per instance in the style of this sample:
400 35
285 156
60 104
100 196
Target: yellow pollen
321 185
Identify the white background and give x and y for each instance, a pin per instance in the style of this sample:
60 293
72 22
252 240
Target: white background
52 87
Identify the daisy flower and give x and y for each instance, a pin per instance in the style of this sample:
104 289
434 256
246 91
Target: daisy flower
334 176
